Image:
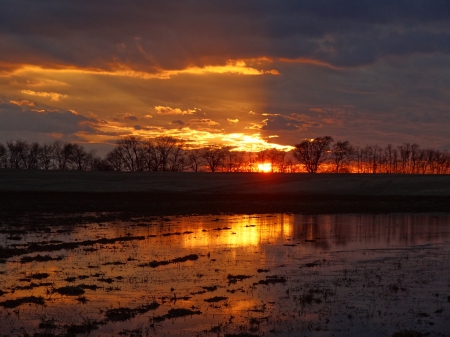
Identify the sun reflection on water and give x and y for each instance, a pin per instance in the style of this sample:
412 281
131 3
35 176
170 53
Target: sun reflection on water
235 257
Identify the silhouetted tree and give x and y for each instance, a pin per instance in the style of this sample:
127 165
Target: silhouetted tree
34 150
311 153
276 158
3 156
341 155
63 154
131 153
46 156
238 161
195 160
18 153
168 150
79 157
114 159
214 157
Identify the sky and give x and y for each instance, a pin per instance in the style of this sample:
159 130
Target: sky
248 74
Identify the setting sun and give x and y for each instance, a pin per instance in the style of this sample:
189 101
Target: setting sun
265 167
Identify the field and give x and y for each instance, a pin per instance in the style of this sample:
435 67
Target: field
227 255
161 193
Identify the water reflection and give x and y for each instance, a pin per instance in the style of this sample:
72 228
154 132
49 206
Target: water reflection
278 270
324 232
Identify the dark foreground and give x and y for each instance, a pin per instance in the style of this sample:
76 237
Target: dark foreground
206 193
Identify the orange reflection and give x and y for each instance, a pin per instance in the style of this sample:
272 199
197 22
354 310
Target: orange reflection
241 232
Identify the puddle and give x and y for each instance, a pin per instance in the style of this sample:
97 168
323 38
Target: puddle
230 275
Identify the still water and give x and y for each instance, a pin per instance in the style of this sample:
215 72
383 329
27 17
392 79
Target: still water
228 275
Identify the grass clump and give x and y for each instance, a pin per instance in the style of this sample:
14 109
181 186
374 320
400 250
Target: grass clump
70 291
123 314
22 300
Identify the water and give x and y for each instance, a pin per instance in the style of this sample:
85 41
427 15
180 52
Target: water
262 275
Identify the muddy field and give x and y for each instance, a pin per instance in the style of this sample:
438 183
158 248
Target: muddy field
180 254
225 275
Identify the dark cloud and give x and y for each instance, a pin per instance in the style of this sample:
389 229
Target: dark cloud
14 118
126 117
173 34
280 123
178 121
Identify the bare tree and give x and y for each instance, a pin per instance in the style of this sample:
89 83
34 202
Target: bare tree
150 156
390 155
341 156
131 152
79 157
311 153
275 158
239 161
18 153
3 156
46 156
63 154
214 157
33 156
114 159
261 156
195 160
93 162
169 151
177 157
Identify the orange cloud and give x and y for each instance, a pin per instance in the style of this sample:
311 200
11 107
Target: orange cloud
195 138
203 121
54 96
23 102
239 67
166 110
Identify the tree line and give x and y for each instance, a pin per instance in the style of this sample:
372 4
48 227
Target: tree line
321 154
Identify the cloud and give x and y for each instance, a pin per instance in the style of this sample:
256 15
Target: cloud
126 117
130 117
203 121
54 96
178 121
23 102
171 36
231 120
343 66
165 110
280 123
17 119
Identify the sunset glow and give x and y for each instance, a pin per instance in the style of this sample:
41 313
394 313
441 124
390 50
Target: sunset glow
266 167
216 74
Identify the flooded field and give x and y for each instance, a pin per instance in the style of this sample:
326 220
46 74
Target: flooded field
228 275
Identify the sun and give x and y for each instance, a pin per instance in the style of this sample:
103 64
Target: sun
265 167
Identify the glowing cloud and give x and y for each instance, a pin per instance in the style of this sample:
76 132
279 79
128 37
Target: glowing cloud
23 102
52 95
232 67
166 110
